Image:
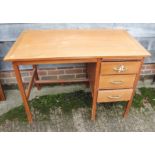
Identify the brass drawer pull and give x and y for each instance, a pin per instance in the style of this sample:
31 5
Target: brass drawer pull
117 82
120 68
114 97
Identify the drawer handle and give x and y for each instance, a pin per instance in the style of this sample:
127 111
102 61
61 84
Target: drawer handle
114 97
120 68
116 82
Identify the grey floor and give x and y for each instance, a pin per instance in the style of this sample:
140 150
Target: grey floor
109 118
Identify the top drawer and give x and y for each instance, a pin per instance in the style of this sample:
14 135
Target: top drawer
127 67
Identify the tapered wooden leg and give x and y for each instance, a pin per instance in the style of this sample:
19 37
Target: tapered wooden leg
134 87
94 104
127 108
30 84
95 92
22 92
36 77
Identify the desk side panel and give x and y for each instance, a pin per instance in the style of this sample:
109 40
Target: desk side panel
91 70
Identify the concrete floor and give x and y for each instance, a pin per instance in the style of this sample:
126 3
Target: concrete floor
14 99
108 118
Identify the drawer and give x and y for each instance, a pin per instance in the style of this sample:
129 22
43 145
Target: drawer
114 95
116 81
130 67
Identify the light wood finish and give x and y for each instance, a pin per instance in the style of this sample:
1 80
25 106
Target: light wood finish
134 88
73 44
103 51
91 71
57 61
116 81
31 83
36 77
95 89
22 92
114 95
60 81
120 59
2 96
130 67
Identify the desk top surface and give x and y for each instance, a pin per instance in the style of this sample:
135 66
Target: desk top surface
73 44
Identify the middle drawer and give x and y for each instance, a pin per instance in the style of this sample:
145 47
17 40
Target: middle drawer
116 81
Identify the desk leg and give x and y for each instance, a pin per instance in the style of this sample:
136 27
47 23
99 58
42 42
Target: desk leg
2 96
95 91
134 88
36 77
22 92
93 116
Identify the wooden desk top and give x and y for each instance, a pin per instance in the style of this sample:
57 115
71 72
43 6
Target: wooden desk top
73 44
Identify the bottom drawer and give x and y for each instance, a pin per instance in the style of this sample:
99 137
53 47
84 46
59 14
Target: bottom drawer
114 95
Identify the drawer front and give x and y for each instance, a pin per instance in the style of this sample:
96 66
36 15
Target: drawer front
130 67
116 81
114 95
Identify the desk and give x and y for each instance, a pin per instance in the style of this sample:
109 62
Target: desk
113 58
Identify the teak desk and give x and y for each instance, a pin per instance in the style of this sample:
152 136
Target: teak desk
113 58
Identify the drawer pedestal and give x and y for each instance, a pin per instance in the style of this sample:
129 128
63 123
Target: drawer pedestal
113 81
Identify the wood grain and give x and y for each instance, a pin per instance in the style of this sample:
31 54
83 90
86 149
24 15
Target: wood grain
91 70
61 81
54 44
109 67
95 89
116 81
104 51
114 95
